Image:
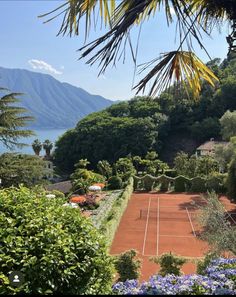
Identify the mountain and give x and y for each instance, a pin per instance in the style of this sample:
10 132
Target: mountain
53 104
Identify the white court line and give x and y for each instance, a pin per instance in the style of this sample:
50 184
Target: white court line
145 234
191 222
158 225
181 236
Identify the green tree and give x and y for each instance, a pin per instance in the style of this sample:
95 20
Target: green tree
217 230
12 118
57 249
231 180
37 146
47 146
169 264
16 169
104 168
128 266
228 124
192 16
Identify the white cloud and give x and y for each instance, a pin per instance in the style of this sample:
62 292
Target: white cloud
37 64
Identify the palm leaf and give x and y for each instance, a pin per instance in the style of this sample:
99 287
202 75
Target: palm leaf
177 66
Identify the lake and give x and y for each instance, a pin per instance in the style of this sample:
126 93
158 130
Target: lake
42 135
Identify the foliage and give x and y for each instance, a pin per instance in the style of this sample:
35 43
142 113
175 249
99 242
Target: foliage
57 193
231 180
124 168
165 182
16 169
180 66
47 146
214 183
110 224
102 213
104 168
215 221
114 183
57 250
195 166
198 184
228 124
224 154
169 264
206 129
219 279
127 265
12 119
83 178
37 146
203 264
148 182
180 183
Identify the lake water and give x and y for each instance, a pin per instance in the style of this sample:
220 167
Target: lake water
42 135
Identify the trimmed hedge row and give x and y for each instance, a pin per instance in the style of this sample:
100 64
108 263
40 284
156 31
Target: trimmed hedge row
179 183
111 222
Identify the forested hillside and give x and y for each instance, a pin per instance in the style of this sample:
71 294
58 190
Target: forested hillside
167 124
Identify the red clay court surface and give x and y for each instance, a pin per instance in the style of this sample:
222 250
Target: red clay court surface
156 223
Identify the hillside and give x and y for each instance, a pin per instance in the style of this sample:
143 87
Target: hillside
52 103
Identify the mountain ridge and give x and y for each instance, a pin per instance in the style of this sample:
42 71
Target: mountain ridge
54 104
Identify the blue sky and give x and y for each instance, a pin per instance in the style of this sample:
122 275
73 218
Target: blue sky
29 44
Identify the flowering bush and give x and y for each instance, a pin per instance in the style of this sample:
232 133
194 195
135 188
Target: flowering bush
219 279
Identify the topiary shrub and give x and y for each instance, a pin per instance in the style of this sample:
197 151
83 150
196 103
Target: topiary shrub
180 183
128 266
148 182
115 183
57 250
169 264
137 182
165 182
198 184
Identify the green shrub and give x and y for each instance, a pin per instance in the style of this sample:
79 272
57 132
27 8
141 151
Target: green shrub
203 264
214 183
58 194
112 221
148 182
169 264
180 183
115 182
137 182
57 250
198 184
231 180
128 266
165 182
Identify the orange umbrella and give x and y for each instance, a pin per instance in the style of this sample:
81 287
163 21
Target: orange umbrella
78 199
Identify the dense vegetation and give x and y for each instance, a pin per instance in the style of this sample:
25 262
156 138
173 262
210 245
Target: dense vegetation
54 246
166 124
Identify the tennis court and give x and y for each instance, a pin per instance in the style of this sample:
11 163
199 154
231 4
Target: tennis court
156 223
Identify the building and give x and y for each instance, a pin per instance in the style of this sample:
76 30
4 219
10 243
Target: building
64 187
208 148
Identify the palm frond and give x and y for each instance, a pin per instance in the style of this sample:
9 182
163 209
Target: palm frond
177 66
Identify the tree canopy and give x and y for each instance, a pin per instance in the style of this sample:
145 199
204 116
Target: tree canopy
163 124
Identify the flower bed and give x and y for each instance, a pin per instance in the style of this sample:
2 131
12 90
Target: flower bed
219 279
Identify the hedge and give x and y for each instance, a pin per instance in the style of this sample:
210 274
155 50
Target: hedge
181 183
198 184
111 222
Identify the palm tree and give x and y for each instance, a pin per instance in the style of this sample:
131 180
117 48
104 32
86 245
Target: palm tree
47 146
37 146
12 118
193 17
